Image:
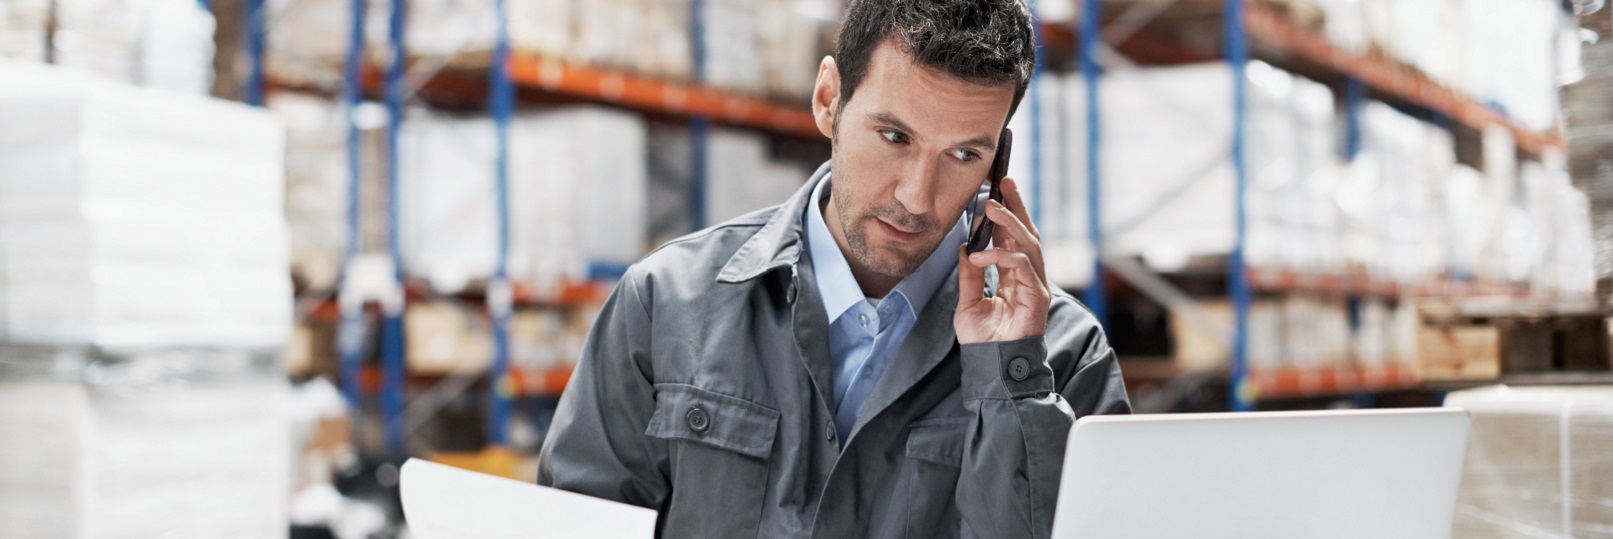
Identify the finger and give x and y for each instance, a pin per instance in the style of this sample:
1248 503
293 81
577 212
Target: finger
971 280
1015 268
1013 234
1015 200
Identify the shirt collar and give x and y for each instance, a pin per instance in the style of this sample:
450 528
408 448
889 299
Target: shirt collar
832 272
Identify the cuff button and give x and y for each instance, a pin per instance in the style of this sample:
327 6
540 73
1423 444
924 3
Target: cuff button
1019 369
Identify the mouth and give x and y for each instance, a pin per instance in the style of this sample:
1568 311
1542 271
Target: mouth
896 233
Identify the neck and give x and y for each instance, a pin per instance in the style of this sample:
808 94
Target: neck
873 284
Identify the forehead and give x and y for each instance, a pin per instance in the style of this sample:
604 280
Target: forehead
929 99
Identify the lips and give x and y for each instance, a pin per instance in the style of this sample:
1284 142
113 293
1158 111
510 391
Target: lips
896 233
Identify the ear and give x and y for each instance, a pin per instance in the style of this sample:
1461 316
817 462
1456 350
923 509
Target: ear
825 95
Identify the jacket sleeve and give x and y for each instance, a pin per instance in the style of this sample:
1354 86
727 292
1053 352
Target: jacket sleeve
596 443
1022 411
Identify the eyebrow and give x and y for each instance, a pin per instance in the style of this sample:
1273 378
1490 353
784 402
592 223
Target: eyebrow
981 143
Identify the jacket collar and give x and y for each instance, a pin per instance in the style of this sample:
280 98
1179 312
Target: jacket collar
778 244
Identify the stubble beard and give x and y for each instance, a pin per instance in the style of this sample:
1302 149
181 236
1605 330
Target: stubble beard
855 224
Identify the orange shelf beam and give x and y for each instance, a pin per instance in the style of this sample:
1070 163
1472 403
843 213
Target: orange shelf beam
522 382
1289 382
1267 27
1292 281
616 87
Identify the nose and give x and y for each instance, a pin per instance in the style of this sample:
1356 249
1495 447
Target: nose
915 190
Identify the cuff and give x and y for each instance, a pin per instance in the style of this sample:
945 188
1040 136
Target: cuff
1006 370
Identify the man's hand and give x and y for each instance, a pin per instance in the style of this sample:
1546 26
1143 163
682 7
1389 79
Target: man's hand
1019 308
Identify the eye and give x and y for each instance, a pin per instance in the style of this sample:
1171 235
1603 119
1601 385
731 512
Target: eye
894 137
965 155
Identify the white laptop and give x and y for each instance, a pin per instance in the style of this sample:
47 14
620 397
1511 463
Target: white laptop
442 502
1379 474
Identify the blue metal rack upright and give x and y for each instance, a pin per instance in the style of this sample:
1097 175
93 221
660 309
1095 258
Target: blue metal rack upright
254 50
500 298
1242 388
350 333
1094 296
1033 95
392 339
699 126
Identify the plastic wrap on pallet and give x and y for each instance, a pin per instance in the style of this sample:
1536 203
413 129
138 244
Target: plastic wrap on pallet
577 195
157 43
138 217
182 458
1537 462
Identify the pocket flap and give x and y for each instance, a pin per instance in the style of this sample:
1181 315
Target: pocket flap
685 412
938 440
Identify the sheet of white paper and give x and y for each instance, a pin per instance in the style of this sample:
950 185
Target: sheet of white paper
443 502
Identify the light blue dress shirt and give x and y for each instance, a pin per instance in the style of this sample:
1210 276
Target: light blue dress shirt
864 333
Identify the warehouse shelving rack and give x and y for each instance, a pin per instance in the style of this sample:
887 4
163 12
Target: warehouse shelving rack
497 81
1252 29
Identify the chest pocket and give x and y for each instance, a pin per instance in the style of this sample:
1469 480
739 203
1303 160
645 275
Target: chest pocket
934 458
719 447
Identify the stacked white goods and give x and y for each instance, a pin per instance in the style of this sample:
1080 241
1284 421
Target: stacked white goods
662 47
1509 57
793 42
577 195
317 182
1316 331
734 57
158 43
308 39
1166 210
199 459
136 217
1495 51
741 178
1469 204
1559 219
1391 221
175 46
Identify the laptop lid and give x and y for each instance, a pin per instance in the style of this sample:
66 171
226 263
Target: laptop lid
1383 474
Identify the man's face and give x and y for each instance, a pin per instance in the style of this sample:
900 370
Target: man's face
910 150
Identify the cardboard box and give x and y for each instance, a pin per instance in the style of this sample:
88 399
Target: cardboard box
1458 352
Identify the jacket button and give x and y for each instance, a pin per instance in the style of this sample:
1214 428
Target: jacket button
829 430
699 421
1019 369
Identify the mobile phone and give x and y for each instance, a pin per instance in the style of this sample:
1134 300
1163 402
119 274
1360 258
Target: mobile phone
980 235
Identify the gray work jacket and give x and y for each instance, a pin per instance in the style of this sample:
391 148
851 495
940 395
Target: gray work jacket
705 392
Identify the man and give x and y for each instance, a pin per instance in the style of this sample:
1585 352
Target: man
837 367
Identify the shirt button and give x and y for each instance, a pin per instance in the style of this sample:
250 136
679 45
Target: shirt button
789 293
863 318
1019 369
829 430
697 418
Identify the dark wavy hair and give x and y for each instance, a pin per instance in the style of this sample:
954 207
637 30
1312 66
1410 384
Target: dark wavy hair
987 42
